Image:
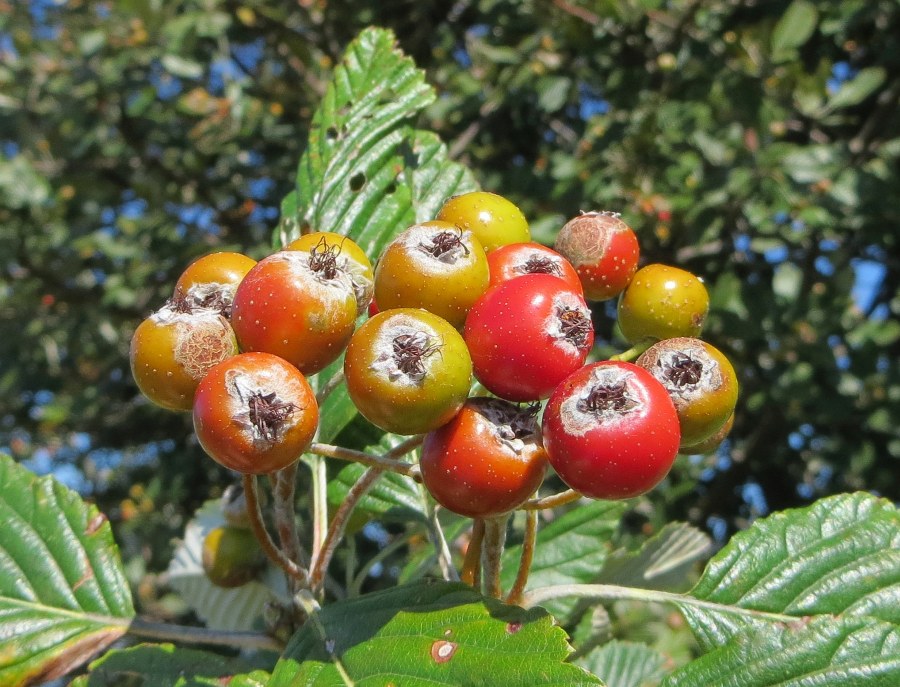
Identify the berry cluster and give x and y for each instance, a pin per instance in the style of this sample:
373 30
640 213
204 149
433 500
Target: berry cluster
464 295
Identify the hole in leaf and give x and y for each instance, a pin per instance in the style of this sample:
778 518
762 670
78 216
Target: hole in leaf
357 181
331 133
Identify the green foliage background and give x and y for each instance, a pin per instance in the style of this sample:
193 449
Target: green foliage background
755 143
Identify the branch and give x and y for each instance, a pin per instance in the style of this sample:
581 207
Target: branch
339 525
384 462
276 555
528 545
201 635
554 501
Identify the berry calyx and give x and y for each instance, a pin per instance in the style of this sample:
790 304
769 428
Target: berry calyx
487 460
700 380
611 431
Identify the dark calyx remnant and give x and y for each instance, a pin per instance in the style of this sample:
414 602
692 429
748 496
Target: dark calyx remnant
216 300
444 242
540 264
518 422
180 303
683 370
323 259
605 398
267 413
575 326
410 351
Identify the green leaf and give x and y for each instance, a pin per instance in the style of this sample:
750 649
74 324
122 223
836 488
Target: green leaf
857 89
625 664
571 549
840 556
826 652
338 410
663 562
366 173
428 634
182 67
63 592
235 609
164 665
795 27
787 280
393 497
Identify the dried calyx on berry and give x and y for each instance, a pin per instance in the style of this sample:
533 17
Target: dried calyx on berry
699 379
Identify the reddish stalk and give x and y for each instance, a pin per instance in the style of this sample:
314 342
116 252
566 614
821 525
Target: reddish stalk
339 525
528 546
276 555
471 569
554 501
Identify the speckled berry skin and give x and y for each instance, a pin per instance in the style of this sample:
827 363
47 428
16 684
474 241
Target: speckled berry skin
604 251
495 220
662 302
285 308
407 370
435 266
520 340
515 260
700 380
486 461
611 430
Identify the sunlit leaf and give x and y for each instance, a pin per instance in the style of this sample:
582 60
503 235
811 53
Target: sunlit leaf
795 27
857 89
838 557
826 652
428 634
63 592
165 665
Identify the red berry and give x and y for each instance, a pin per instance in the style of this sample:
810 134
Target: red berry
486 461
611 430
255 413
603 250
518 259
526 335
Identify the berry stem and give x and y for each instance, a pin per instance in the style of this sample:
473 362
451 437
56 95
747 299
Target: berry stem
528 546
553 501
471 569
492 553
634 352
276 555
333 383
339 525
384 462
319 505
283 490
436 532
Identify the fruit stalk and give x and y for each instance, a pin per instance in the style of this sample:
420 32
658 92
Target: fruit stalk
339 525
276 555
528 545
492 553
